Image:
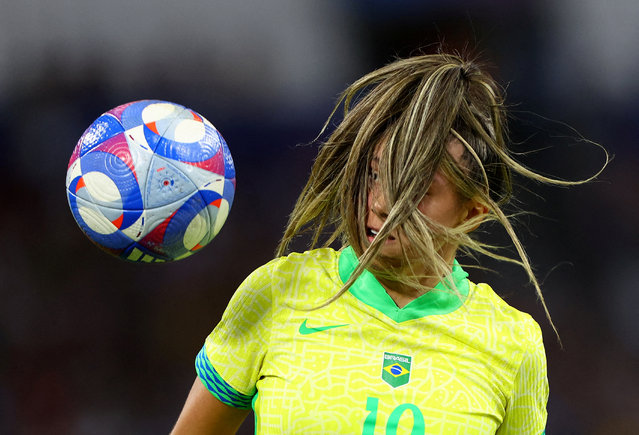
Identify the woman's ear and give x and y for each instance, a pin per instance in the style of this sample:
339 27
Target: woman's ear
476 210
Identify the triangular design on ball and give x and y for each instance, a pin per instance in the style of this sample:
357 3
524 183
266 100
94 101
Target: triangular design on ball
166 184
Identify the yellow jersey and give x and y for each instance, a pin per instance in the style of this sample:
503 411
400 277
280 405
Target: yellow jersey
449 362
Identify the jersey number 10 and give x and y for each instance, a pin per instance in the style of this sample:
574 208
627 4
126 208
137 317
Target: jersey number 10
393 420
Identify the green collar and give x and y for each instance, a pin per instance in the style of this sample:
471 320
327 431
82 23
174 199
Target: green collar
441 300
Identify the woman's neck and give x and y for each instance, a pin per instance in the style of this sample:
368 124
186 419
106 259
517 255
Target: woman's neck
402 294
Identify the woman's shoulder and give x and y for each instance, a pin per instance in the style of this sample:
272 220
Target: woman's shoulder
287 277
316 260
322 257
493 308
297 271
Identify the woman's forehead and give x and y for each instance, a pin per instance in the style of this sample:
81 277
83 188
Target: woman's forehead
454 147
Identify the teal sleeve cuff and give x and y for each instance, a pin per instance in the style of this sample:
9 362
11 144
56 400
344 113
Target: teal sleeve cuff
218 386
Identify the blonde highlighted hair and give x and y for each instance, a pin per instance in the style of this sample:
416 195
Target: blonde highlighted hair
415 106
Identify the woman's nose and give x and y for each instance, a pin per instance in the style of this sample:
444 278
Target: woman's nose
378 203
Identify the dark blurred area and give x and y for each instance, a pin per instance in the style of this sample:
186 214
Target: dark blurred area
92 345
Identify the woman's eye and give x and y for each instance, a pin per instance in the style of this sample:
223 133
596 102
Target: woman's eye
374 175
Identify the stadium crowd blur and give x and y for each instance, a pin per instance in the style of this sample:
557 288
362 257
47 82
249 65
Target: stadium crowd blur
91 344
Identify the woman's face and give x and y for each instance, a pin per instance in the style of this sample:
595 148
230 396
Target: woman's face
442 203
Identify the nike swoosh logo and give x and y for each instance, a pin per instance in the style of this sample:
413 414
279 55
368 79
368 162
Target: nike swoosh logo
305 330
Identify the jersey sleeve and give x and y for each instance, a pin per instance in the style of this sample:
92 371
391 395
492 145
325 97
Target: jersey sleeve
230 360
526 411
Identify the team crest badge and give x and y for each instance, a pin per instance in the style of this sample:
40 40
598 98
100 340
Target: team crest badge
396 369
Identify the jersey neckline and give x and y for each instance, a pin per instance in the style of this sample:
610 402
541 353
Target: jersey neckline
442 299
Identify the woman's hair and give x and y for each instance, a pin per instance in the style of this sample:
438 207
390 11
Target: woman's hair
415 107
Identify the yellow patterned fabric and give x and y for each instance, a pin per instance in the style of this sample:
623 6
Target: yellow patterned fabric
451 362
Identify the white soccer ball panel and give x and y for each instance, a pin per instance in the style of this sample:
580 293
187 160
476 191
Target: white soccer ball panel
187 131
101 187
222 214
157 111
196 230
95 220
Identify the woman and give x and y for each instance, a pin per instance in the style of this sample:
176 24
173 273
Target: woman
388 334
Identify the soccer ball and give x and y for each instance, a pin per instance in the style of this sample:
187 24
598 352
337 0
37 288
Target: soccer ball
151 181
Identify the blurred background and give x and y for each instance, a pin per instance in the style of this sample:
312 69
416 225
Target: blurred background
92 345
